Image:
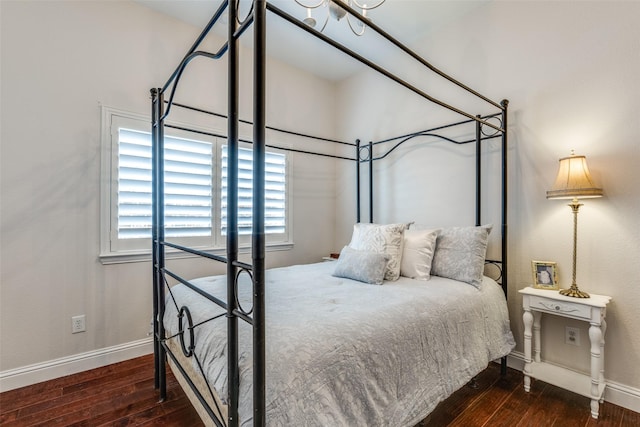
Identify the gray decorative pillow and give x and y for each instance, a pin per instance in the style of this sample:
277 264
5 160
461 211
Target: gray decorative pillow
384 239
460 253
367 267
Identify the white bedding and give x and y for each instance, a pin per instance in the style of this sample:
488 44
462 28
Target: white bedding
345 353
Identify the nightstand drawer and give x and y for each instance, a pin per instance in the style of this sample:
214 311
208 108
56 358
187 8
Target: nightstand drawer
578 311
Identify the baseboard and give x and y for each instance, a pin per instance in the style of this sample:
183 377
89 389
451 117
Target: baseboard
616 393
515 360
32 374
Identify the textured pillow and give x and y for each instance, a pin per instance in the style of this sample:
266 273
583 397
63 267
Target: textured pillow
368 267
385 239
460 253
417 253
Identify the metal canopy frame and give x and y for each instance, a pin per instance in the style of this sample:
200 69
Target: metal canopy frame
363 153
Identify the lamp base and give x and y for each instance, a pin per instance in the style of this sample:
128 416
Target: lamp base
574 292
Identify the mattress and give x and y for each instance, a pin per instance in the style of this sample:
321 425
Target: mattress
344 353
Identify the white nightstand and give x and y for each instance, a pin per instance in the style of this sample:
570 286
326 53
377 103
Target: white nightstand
592 310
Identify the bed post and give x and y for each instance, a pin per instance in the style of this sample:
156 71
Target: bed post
370 182
258 238
505 105
154 238
357 180
232 218
157 237
478 171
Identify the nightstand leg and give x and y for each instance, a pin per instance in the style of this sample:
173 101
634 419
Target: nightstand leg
595 336
603 327
527 318
536 336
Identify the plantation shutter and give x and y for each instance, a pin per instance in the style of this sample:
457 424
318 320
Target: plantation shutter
188 186
275 192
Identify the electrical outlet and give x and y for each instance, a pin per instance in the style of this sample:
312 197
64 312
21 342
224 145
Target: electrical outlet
77 324
572 336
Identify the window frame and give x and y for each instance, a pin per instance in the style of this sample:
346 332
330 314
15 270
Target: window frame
115 250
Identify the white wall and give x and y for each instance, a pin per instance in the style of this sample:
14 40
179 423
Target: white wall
570 70
61 60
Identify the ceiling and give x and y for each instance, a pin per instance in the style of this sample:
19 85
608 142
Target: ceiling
407 20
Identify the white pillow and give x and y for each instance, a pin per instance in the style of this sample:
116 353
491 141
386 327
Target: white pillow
382 239
417 253
363 266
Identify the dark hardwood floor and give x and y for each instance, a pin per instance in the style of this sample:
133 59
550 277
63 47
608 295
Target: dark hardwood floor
122 394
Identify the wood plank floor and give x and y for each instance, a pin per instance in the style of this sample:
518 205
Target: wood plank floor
122 394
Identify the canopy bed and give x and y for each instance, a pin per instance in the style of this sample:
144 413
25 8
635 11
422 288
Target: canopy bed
320 344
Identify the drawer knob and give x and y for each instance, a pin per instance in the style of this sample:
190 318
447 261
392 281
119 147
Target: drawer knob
557 307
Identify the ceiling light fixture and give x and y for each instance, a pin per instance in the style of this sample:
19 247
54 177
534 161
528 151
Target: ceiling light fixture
337 12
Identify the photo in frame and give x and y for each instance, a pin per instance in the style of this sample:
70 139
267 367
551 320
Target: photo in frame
545 275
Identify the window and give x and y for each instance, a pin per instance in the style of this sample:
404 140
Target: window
195 190
275 192
188 186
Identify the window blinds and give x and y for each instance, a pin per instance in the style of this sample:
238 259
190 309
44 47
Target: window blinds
275 191
188 186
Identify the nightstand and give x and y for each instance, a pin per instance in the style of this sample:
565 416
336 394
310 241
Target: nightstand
593 310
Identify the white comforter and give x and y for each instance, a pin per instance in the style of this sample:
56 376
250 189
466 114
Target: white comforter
344 353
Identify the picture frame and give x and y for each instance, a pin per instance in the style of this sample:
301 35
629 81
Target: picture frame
545 275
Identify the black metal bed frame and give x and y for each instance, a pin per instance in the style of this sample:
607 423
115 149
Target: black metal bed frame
256 270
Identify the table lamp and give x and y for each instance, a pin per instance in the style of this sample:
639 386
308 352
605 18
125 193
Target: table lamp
574 182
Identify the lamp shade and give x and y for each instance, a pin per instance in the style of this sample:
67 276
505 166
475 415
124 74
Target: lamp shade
573 180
